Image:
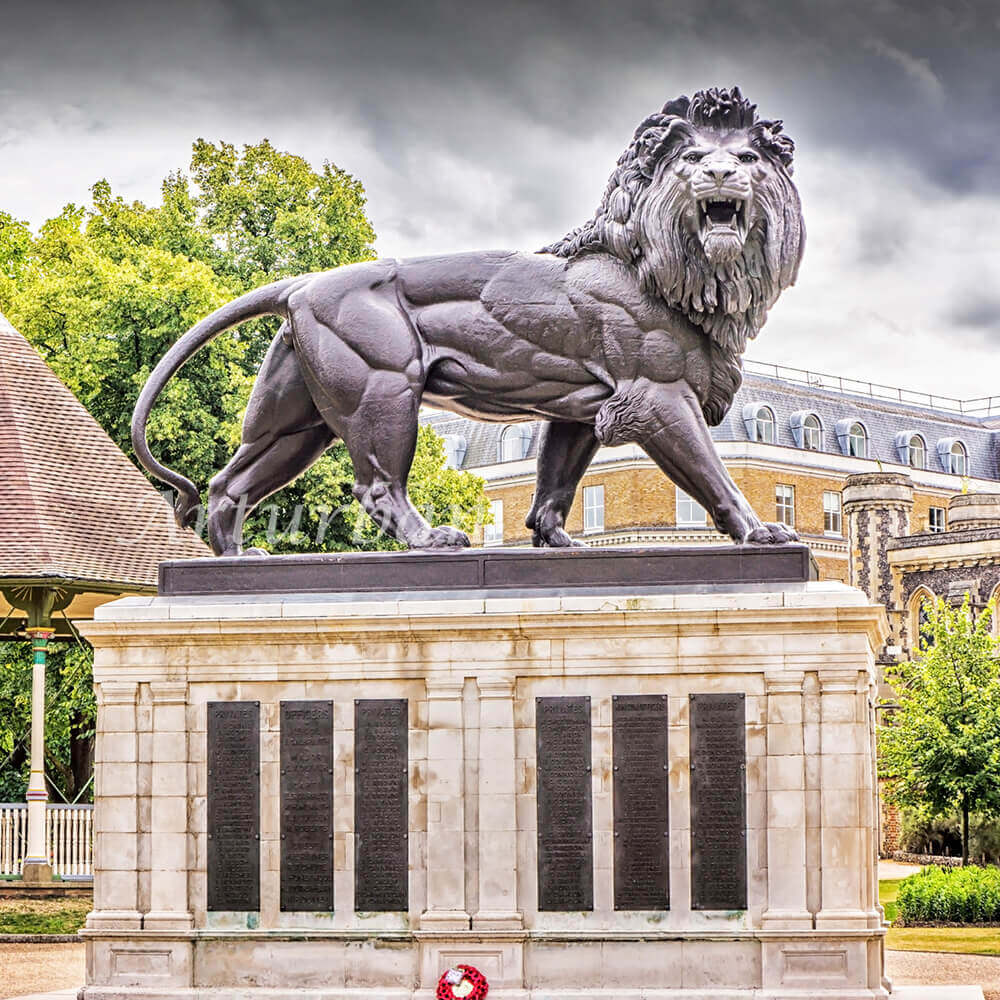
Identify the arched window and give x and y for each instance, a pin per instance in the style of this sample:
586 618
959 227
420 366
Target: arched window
812 433
857 441
759 421
919 616
954 456
918 453
514 443
807 430
996 612
765 425
455 447
959 461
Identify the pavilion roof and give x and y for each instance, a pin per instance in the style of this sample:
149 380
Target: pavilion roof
72 506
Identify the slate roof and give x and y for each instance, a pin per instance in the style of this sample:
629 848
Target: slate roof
72 506
883 419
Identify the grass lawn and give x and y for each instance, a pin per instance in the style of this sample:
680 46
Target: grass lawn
43 916
959 940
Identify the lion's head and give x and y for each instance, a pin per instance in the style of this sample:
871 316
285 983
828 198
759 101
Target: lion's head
703 205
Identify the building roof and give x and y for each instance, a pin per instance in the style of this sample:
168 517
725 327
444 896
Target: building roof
72 506
886 414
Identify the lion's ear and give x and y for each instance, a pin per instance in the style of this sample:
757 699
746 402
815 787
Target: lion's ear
678 106
656 142
767 135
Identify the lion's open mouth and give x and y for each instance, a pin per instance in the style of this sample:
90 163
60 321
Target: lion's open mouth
722 213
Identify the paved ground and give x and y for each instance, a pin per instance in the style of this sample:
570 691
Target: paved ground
37 968
931 968
896 869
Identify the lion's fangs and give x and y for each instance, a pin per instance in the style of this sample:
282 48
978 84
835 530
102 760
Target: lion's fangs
718 211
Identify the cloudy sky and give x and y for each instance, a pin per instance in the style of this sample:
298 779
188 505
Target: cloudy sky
477 125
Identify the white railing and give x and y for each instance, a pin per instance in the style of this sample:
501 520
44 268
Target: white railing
69 834
13 837
985 406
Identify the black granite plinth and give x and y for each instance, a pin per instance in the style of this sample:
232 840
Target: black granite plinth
490 570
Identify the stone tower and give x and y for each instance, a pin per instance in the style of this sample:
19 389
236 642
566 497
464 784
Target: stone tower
877 508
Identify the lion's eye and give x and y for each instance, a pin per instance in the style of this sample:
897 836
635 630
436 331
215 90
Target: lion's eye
748 157
693 157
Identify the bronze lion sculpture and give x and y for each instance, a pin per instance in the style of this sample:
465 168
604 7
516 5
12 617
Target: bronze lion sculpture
630 329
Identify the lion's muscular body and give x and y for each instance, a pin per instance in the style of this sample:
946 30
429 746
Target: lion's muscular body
496 335
629 329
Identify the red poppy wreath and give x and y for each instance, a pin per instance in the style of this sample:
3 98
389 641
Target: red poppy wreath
462 974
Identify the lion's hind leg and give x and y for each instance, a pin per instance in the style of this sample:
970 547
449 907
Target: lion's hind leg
283 434
381 438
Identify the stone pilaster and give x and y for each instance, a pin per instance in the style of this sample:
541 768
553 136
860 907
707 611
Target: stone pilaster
168 838
786 805
497 807
116 810
845 791
445 807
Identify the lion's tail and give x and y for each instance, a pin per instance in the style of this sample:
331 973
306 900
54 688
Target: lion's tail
270 300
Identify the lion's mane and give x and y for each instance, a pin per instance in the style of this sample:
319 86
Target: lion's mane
640 221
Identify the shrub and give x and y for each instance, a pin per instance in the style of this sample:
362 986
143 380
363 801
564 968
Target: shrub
950 895
942 835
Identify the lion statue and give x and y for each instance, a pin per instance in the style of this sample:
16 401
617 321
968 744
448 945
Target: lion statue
629 329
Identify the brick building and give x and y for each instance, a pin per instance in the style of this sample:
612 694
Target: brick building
790 441
895 492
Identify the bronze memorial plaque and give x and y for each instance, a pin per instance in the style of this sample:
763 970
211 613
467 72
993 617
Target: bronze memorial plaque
233 805
642 828
565 831
306 805
381 813
718 802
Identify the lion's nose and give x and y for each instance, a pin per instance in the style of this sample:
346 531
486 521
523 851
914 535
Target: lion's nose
720 173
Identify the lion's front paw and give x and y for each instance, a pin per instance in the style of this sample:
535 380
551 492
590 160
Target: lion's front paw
772 534
445 537
555 538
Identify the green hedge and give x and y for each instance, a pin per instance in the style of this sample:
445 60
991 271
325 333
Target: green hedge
950 895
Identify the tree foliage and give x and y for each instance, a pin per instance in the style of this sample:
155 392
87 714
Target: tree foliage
69 720
102 290
941 747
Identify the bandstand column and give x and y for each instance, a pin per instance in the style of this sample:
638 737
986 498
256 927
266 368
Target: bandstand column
36 862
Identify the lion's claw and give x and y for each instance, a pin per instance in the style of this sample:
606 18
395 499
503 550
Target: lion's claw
556 538
445 537
772 534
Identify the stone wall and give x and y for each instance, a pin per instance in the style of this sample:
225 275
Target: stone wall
471 669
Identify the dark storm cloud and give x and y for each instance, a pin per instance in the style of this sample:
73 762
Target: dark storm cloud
496 124
910 79
979 310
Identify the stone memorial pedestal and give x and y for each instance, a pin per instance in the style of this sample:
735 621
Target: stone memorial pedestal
627 786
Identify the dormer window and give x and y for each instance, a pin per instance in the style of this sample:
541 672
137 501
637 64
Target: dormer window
953 456
455 447
958 459
912 449
857 441
760 423
514 443
807 431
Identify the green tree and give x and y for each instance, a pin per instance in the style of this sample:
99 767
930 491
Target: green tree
102 290
69 721
940 749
